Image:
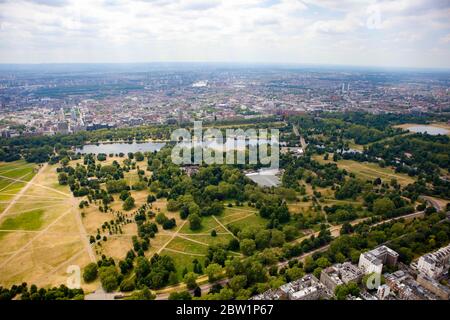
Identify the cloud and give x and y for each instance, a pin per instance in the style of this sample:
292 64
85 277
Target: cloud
51 3
200 4
304 31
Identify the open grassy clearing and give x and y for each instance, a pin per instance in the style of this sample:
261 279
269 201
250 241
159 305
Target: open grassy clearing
19 170
183 261
369 171
31 220
39 235
251 220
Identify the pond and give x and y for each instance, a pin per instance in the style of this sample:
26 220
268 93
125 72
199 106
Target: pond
431 130
117 148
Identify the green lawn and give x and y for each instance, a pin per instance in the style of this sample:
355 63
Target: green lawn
181 261
15 170
187 246
208 223
31 220
253 220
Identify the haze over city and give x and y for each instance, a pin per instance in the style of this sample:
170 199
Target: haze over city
413 33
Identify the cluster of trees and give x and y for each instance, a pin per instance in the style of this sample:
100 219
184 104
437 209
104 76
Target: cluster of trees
24 292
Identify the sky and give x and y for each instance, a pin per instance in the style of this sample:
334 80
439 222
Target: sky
400 33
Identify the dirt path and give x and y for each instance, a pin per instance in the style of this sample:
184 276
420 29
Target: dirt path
226 229
31 182
83 233
192 240
173 237
24 189
12 182
185 253
4 263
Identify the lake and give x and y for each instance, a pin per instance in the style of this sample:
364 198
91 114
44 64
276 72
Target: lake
431 130
117 148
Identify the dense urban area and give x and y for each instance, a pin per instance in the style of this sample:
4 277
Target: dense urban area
359 208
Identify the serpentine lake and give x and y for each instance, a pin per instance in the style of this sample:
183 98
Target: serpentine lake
117 148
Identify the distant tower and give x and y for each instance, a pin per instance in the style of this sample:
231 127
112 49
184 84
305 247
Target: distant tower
348 87
343 88
180 116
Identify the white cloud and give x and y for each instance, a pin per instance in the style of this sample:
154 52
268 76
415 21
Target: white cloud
303 31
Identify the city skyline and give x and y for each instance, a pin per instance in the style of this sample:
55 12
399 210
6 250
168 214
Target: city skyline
411 34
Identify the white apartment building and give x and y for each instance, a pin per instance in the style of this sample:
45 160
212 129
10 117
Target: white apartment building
372 261
436 263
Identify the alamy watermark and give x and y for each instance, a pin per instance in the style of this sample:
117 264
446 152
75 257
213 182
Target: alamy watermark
239 146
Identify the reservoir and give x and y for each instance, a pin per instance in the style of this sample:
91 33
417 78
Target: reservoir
431 130
117 148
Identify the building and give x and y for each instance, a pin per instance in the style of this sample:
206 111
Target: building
383 292
433 286
372 261
339 274
62 127
406 288
267 295
306 288
435 264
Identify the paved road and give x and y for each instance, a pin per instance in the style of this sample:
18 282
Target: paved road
436 204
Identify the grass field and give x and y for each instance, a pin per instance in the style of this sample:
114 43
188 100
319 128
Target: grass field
39 233
32 220
19 170
369 171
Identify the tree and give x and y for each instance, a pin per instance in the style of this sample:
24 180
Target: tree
63 178
346 228
90 272
139 156
144 294
262 239
290 233
323 262
238 282
277 239
128 203
213 233
191 280
151 198
248 246
109 278
234 244
127 285
213 271
339 257
195 222
383 207
342 291
184 295
161 218
124 194
294 273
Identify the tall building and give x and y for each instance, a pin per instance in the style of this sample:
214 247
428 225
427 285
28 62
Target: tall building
372 261
180 116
